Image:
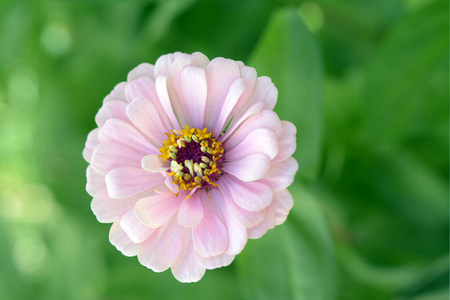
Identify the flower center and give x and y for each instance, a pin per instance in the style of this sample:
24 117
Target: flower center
195 156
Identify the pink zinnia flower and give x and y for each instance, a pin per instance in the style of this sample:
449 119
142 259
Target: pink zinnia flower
189 161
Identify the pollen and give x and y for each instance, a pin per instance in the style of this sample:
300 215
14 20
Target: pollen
195 156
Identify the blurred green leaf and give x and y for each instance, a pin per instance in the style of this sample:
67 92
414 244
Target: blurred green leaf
220 28
76 266
369 16
11 283
442 294
288 53
158 23
342 123
431 282
406 93
352 30
377 281
420 194
130 280
293 261
395 208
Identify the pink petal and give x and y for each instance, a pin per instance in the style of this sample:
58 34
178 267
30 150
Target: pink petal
265 92
117 94
183 61
282 204
280 219
259 91
157 210
146 117
236 90
125 182
175 87
262 97
95 181
281 174
145 87
164 64
250 168
134 228
91 142
253 196
199 60
176 102
220 74
250 76
236 122
261 229
142 70
244 217
265 119
162 248
120 132
153 163
121 241
187 268
237 234
258 141
210 236
108 209
193 91
172 187
245 101
287 141
190 212
163 95
108 156
215 262
113 109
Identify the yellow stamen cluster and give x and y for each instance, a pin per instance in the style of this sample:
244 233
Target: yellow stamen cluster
189 174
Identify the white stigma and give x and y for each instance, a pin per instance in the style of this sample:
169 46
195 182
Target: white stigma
175 167
173 149
198 170
190 165
181 142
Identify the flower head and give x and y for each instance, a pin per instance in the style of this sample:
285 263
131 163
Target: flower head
189 161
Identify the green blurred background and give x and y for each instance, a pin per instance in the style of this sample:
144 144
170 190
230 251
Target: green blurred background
365 82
